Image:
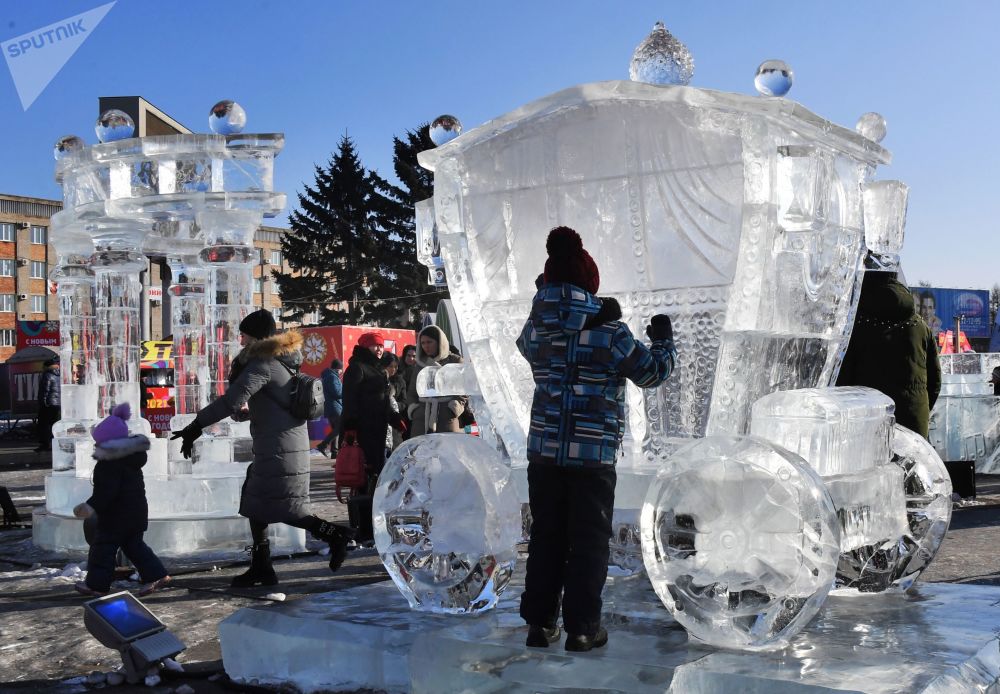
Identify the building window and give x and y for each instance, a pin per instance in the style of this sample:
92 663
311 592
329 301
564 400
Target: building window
276 258
275 287
7 232
257 285
37 303
7 267
38 235
7 303
276 312
38 269
8 338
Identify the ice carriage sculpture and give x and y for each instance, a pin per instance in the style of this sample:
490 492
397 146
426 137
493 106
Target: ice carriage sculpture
747 220
196 201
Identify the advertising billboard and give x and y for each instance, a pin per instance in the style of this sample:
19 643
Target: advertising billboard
939 306
37 333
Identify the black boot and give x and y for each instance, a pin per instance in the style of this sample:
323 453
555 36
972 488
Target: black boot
260 571
337 536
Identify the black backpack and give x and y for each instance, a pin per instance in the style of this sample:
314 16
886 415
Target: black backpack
306 396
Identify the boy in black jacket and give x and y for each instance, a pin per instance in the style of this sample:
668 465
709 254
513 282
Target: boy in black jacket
119 500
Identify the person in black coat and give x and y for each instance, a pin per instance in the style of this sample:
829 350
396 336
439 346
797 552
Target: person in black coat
367 409
48 404
119 501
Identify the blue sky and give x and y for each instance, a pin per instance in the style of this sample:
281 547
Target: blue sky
316 70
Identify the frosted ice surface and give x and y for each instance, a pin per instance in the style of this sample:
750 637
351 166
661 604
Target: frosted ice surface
871 125
928 504
761 269
969 362
967 426
446 521
836 430
447 380
740 540
966 384
870 505
885 216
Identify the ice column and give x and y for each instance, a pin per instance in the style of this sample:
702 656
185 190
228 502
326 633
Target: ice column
117 292
187 325
75 282
228 258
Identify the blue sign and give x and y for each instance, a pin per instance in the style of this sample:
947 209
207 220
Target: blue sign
939 307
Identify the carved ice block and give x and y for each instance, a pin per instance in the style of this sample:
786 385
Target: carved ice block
837 430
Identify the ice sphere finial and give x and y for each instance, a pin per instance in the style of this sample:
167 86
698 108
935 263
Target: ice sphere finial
661 59
774 78
227 118
67 145
114 125
445 128
871 125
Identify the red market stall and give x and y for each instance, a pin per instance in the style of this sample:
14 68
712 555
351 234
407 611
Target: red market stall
323 344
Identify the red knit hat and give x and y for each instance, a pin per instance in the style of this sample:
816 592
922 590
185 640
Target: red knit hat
370 340
569 262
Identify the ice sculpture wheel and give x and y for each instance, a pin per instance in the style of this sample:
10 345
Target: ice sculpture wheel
446 522
740 541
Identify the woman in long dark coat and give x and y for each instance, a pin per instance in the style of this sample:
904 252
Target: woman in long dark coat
277 485
367 409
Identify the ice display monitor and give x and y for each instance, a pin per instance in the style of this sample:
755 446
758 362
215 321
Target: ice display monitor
120 618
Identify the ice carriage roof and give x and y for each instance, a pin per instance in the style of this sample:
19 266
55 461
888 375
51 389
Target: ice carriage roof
788 113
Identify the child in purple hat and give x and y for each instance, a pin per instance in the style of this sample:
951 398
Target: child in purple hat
119 500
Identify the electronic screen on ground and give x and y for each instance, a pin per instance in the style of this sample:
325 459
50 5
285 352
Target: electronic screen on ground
125 615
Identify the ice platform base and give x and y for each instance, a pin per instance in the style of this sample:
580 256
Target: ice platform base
187 537
940 638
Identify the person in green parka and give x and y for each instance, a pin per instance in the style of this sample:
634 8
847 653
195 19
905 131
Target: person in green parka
893 351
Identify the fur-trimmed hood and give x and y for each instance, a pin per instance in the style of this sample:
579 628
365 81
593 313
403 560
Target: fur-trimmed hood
286 346
435 333
114 449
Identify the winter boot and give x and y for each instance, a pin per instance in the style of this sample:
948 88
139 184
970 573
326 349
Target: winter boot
337 536
260 571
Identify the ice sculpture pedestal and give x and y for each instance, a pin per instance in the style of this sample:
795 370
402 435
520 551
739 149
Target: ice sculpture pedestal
940 638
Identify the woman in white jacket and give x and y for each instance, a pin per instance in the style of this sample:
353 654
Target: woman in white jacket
433 415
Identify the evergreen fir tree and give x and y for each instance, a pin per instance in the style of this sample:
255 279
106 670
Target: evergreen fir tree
398 215
334 245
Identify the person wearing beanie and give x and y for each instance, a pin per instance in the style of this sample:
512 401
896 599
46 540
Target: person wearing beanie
277 484
433 415
259 325
367 409
333 405
119 502
581 354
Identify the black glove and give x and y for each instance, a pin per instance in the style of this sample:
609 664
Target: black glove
190 434
659 328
